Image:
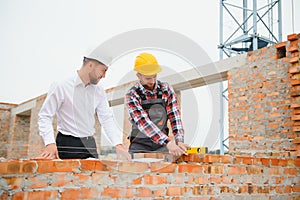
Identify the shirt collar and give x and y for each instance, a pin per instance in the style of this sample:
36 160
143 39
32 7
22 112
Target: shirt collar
78 81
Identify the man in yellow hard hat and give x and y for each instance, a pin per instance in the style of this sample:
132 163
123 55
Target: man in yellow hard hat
150 104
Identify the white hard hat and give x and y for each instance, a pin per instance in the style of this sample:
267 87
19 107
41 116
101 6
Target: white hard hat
100 56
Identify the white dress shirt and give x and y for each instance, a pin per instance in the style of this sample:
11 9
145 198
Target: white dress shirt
75 106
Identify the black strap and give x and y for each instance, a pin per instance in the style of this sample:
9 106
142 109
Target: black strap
143 96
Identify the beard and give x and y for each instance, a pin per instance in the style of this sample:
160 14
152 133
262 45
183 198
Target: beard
93 79
149 87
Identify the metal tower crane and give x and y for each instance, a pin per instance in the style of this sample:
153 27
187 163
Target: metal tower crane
251 25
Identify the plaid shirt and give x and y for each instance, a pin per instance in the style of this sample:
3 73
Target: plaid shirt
140 118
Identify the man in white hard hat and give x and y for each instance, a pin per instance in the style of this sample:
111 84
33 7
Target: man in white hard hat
75 102
151 103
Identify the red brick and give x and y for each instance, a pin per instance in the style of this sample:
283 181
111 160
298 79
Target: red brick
294 60
297 162
149 192
296 188
215 180
295 77
255 170
137 167
226 159
36 195
179 179
238 159
110 165
174 191
137 181
158 192
80 193
156 155
265 161
203 190
60 180
192 158
287 189
237 170
210 158
80 179
247 160
4 196
143 192
295 54
163 167
282 163
200 180
292 37
87 165
291 171
17 167
274 161
212 169
37 182
292 48
274 171
280 45
95 165
117 192
47 166
294 70
99 178
154 179
226 180
190 168
264 190
13 182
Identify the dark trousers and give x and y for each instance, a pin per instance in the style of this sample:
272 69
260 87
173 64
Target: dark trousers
74 147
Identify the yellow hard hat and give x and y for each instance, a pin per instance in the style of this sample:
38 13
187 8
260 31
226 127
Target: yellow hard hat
146 64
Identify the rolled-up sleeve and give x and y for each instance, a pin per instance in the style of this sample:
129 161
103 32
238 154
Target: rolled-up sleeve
174 115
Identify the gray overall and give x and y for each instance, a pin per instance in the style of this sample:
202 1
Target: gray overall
156 110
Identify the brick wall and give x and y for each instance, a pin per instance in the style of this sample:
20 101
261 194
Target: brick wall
4 127
260 114
206 177
19 136
35 140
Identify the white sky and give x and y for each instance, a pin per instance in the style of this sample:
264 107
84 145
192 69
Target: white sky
45 40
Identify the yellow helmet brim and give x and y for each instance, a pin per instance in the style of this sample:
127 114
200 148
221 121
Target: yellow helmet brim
148 70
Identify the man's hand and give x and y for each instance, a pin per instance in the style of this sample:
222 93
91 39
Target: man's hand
49 152
177 150
122 152
183 146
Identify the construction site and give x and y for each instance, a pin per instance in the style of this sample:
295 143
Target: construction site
260 158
